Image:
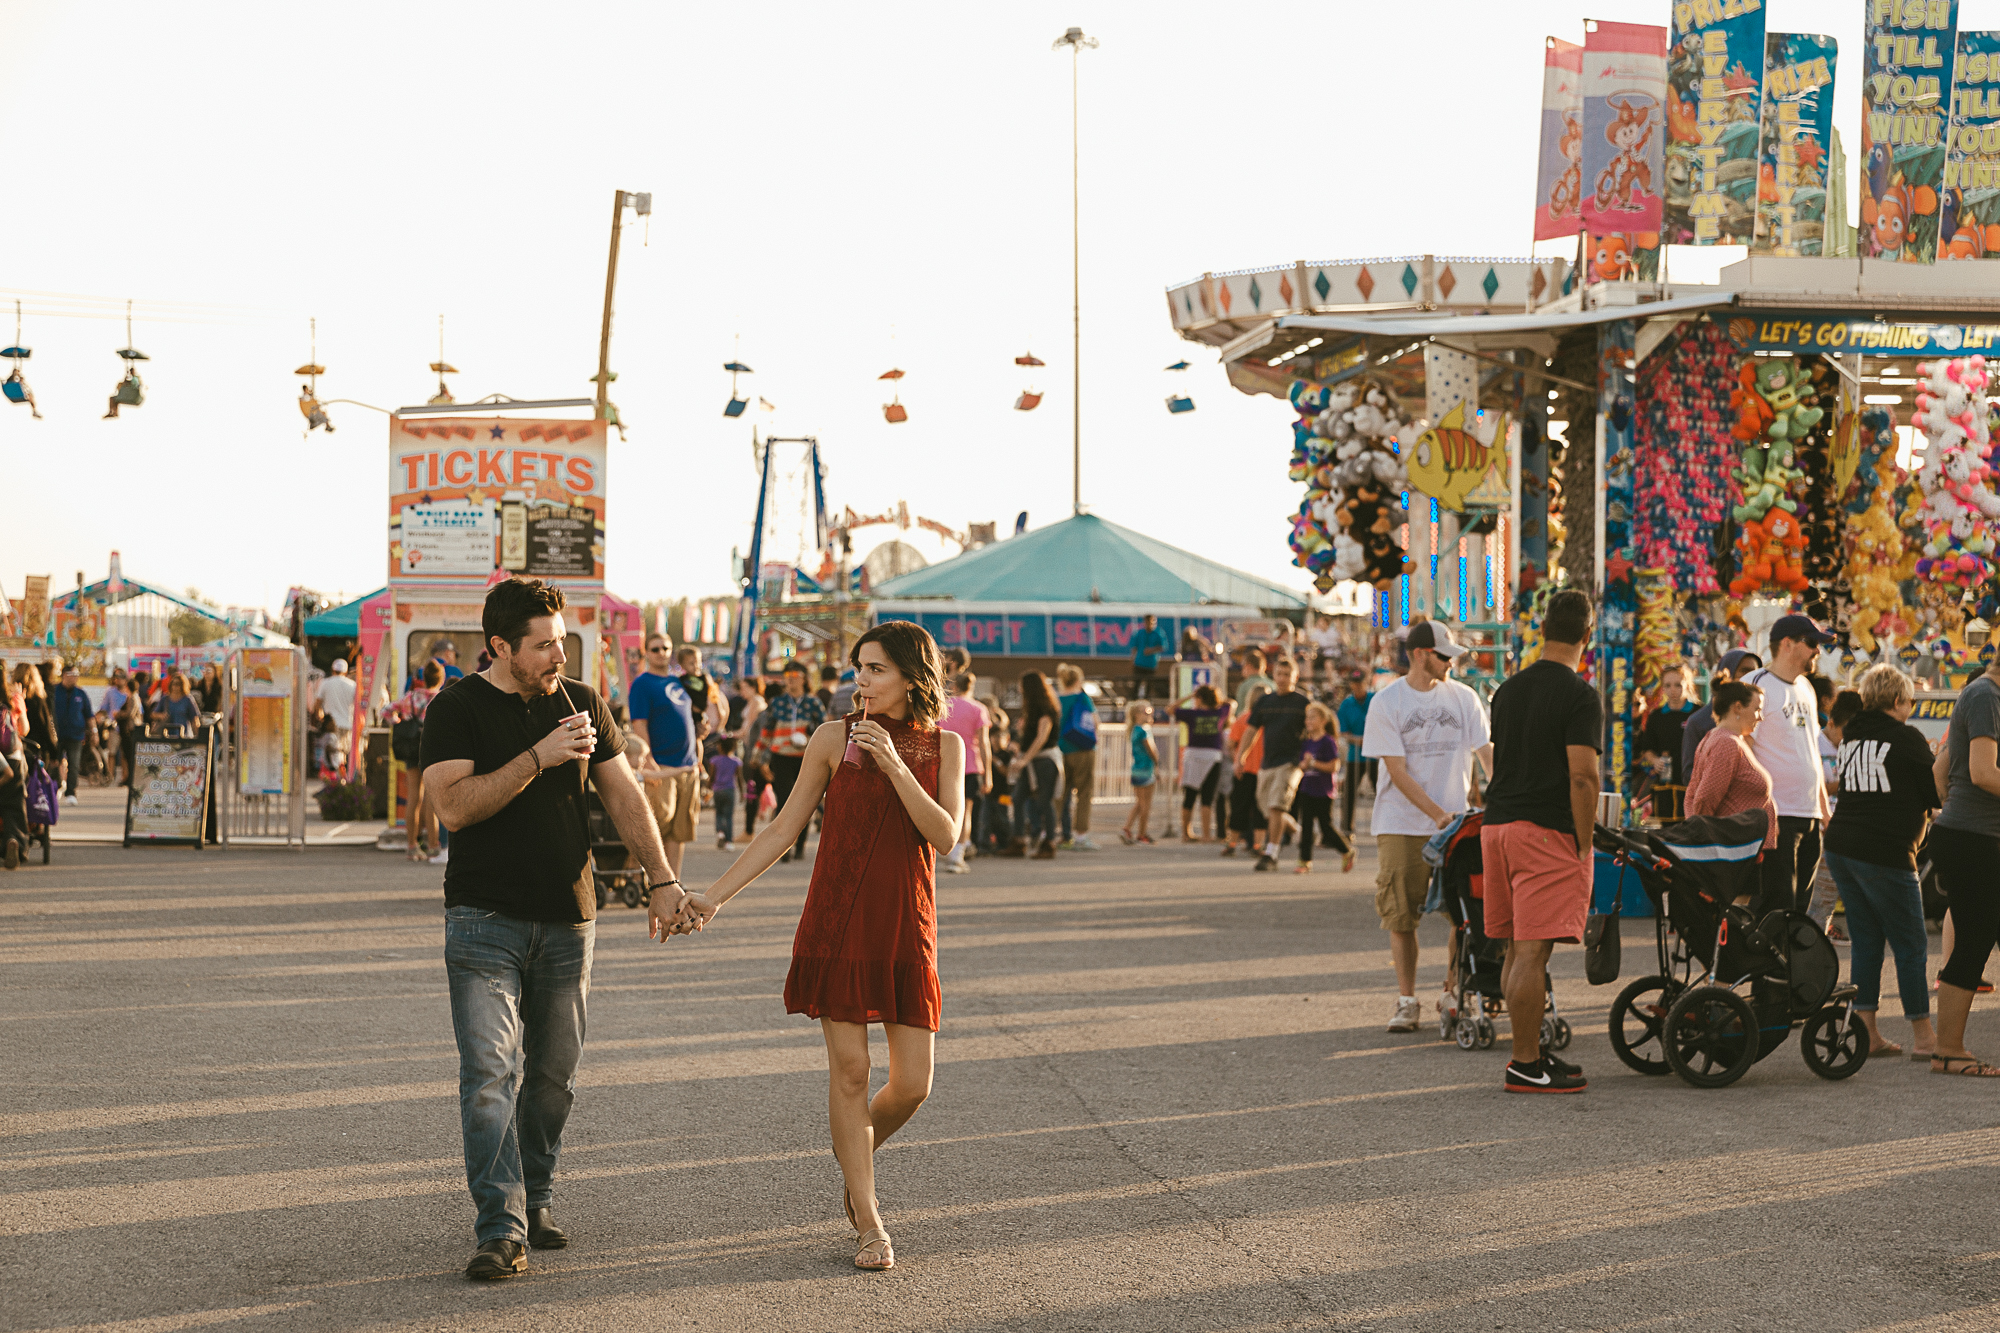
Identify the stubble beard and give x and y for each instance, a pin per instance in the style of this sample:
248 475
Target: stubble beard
530 683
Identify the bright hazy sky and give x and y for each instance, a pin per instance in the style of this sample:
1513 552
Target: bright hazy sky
848 188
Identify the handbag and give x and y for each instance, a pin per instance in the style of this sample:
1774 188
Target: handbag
1601 945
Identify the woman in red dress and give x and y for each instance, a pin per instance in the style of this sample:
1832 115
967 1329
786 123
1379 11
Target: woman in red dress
866 948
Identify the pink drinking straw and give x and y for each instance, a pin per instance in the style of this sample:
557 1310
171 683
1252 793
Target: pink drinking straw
855 753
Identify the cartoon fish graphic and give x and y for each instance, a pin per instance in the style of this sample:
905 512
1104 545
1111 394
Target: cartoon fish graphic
1448 460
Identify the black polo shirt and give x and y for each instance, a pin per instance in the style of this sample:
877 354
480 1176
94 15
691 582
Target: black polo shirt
531 860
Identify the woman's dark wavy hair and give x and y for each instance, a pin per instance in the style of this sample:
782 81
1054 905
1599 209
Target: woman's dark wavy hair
915 654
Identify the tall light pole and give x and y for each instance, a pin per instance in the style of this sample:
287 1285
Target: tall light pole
1076 42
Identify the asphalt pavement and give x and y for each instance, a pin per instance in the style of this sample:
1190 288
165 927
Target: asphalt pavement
1164 1100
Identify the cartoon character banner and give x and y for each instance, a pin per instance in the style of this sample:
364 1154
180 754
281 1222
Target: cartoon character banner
1624 100
1715 80
1559 179
1907 61
1797 143
469 496
1969 207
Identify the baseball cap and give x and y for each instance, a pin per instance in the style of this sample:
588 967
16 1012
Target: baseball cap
1800 627
1430 634
339 666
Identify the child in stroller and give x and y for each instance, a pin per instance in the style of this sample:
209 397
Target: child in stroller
1472 987
1700 1026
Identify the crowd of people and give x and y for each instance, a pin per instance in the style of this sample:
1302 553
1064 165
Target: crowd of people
50 726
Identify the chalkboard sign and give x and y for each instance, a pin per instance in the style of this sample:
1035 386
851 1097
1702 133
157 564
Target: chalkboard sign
560 543
168 802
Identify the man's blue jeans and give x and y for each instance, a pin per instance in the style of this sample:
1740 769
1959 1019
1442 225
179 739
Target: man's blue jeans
518 992
1884 904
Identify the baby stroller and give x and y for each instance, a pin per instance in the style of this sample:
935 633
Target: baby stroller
613 868
1458 890
1700 1025
44 804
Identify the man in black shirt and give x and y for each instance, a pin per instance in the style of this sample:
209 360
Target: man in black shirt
1281 717
506 753
1548 729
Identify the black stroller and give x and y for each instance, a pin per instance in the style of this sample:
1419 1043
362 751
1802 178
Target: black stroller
1458 887
1701 1026
614 870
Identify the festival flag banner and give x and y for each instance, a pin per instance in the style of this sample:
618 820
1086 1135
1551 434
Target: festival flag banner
1559 177
1969 206
1907 59
1797 144
1715 81
1624 99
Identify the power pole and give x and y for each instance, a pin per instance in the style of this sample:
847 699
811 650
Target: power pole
1075 41
642 204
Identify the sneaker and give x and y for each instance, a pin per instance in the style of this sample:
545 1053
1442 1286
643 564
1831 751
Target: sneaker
1542 1076
442 858
1304 868
1066 845
70 799
1125 836
951 867
1347 860
12 856
1550 1060
1084 844
1266 862
1229 849
1408 1014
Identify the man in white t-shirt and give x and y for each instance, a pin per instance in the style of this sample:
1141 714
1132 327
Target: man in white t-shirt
1425 728
336 698
1786 743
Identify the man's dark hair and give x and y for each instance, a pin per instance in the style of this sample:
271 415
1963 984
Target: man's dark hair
511 605
1568 617
793 665
829 673
1254 657
1846 707
433 674
1822 687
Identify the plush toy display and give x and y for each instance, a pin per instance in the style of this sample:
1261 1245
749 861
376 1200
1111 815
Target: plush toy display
1774 402
1344 450
1683 450
1959 507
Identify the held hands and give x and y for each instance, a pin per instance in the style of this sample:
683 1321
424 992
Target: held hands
690 913
574 738
874 738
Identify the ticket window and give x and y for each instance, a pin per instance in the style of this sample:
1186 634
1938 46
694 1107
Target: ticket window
422 645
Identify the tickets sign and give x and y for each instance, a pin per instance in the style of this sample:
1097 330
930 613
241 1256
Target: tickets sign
469 496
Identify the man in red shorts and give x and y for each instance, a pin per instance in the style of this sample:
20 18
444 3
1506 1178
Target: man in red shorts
1548 728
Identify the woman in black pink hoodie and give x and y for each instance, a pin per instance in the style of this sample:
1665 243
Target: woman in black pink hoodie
1886 794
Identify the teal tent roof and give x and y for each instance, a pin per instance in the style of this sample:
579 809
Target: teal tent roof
1085 559
341 622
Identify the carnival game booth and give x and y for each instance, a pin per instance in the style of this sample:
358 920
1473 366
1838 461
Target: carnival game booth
1808 433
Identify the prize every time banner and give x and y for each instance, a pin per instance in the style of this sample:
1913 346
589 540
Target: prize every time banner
469 496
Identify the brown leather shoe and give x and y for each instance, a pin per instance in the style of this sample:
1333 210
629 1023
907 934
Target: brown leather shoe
498 1259
1045 852
543 1233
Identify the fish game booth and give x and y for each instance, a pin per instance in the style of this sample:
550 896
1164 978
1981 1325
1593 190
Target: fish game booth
1809 433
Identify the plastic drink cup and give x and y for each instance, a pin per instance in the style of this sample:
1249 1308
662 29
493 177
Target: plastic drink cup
855 754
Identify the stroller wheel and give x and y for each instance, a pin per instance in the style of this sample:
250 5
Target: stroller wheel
1485 1033
630 894
602 896
1467 1035
1711 1036
1637 1016
1561 1041
1835 1042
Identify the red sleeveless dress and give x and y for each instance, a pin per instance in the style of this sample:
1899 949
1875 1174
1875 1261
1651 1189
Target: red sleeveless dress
866 948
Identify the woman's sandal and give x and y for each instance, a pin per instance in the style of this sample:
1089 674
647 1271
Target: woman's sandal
1972 1066
870 1240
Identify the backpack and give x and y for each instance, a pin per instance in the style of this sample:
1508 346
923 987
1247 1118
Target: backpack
1079 725
406 741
